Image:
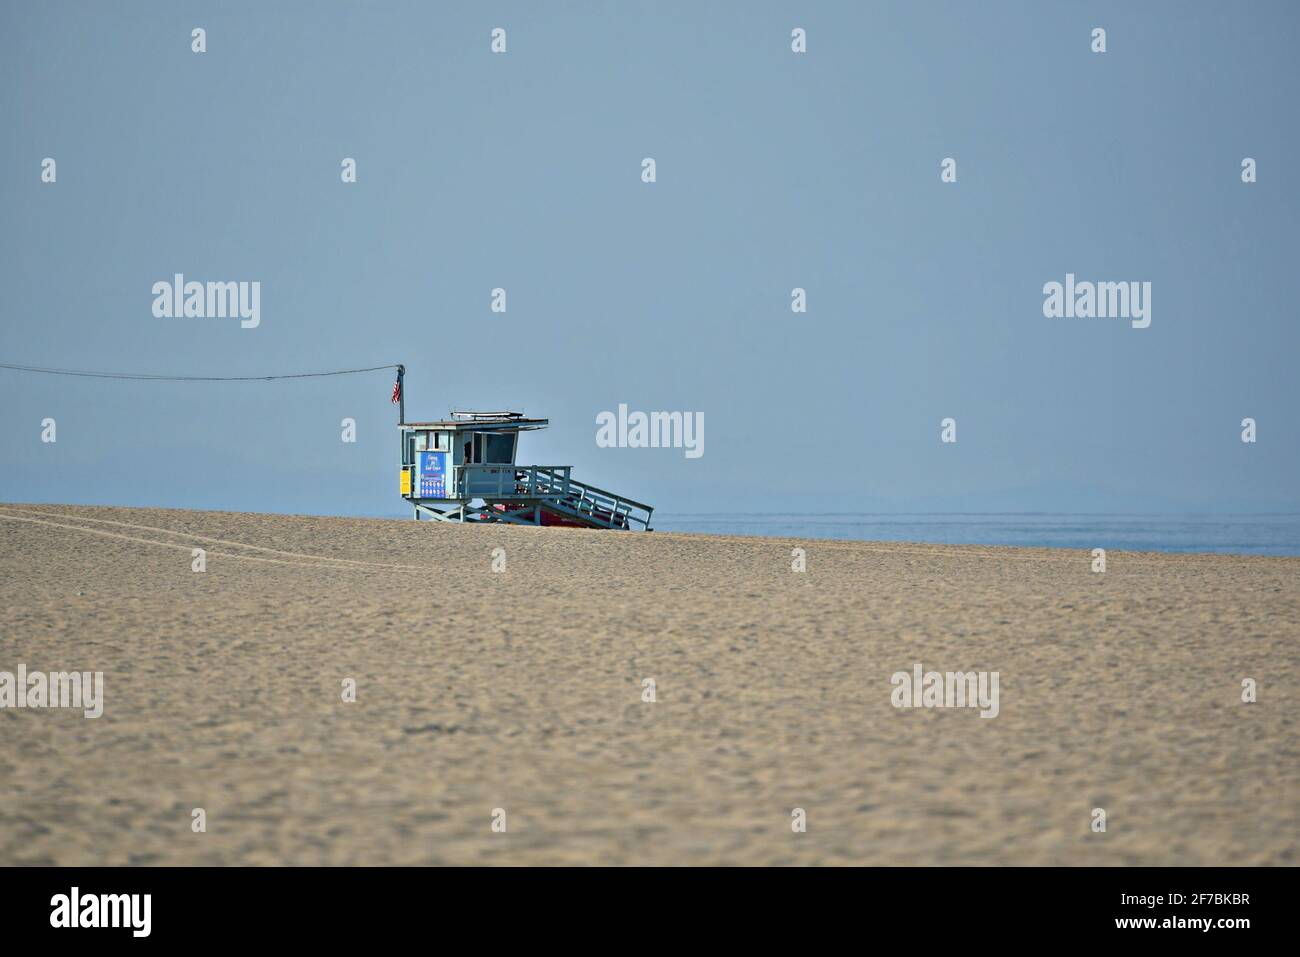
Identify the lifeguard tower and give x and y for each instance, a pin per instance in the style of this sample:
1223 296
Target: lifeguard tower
463 469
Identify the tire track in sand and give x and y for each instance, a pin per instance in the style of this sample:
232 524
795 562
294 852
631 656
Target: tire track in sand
303 560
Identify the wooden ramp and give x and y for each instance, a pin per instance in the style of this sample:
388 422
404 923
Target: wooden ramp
533 495
577 503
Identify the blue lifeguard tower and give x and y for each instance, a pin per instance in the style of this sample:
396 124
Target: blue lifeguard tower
464 469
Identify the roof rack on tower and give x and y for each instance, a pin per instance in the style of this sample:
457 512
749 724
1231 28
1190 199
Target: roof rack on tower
473 416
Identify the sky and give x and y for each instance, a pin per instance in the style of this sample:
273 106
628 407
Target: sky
774 170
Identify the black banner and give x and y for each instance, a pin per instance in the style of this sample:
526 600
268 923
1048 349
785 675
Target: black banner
642 907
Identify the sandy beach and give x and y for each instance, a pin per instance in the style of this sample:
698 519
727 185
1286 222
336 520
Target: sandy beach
522 690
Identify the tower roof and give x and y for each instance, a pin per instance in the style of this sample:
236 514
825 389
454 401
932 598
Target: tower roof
467 421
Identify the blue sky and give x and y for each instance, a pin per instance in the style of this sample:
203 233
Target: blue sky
774 170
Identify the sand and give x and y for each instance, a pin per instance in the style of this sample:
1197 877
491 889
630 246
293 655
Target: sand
522 690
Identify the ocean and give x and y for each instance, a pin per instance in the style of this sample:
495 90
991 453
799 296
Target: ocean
1257 534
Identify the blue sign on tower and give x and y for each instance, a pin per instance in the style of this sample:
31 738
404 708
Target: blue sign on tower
433 474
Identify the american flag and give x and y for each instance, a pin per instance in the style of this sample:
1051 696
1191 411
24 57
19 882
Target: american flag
397 390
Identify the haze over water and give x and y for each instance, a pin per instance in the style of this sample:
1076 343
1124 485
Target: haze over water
1275 534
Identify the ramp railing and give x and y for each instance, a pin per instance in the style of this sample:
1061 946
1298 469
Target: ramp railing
555 486
578 499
